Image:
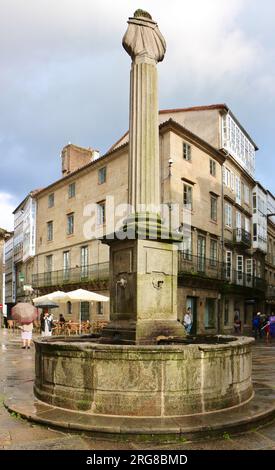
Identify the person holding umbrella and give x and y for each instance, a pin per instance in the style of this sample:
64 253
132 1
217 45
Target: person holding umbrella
26 335
25 314
46 323
46 319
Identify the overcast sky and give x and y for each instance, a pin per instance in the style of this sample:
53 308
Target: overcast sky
64 77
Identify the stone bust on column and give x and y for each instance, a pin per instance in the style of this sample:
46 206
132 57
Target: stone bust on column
143 38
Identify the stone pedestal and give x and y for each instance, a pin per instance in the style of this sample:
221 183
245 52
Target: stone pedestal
143 292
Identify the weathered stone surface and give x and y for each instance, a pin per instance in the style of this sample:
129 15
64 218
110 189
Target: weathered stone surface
16 374
147 303
132 380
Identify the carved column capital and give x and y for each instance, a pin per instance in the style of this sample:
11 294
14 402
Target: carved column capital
143 41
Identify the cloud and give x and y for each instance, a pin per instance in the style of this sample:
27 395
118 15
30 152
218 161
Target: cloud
65 77
7 206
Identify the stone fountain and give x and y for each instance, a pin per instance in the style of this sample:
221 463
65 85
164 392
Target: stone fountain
126 374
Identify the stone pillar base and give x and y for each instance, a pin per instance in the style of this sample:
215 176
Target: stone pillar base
143 284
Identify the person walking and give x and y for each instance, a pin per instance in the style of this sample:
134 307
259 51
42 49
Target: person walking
256 325
26 335
237 324
188 321
266 329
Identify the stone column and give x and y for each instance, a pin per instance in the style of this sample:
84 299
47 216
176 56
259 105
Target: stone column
146 46
143 264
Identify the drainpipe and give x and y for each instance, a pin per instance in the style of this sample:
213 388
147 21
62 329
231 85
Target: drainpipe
222 207
221 298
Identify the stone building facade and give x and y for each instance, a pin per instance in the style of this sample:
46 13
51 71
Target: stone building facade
4 235
270 257
207 193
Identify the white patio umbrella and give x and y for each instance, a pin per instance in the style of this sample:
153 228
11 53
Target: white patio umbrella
57 296
82 295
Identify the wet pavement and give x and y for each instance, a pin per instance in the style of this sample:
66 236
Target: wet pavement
16 372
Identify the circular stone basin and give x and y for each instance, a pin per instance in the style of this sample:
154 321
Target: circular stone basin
149 380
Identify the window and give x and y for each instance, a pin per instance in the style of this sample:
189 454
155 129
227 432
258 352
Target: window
238 220
99 308
247 224
187 247
226 177
70 224
49 263
228 265
186 151
213 252
69 308
48 269
50 231
201 253
226 312
237 144
101 215
228 215
210 313
51 200
213 208
85 311
255 236
66 265
238 190
229 178
71 190
232 178
212 167
84 261
249 271
239 269
246 194
102 175
187 197
254 203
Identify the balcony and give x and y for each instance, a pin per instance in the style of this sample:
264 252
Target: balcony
196 266
242 237
84 274
242 279
200 266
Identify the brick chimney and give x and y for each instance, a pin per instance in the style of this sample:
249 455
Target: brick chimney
74 157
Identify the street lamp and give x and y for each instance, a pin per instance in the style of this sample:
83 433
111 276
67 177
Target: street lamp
170 163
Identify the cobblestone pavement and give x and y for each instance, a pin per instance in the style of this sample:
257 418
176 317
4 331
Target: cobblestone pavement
17 368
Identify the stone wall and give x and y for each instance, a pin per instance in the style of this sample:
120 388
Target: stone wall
143 380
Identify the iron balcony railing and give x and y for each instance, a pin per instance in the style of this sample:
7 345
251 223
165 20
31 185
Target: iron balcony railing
242 237
93 272
188 264
199 265
212 269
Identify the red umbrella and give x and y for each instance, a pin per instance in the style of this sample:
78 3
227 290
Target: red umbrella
24 313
